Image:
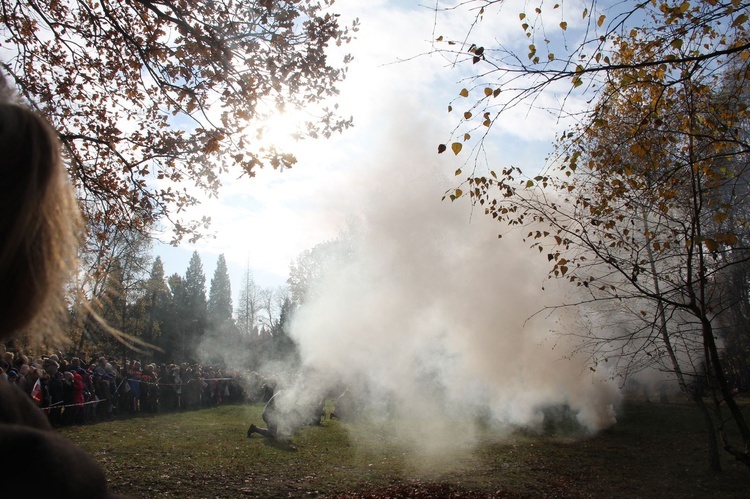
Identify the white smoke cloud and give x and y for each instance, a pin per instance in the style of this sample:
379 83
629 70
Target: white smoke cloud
430 317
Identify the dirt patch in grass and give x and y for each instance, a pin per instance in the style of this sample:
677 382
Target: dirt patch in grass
654 451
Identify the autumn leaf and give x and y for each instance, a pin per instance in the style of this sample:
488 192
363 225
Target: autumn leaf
711 244
456 147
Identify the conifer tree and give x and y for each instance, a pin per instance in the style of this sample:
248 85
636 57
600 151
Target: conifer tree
220 297
195 306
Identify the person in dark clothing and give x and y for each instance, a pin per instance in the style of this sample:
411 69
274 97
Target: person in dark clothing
285 423
270 417
56 400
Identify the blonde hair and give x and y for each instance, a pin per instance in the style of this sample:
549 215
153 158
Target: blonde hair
39 226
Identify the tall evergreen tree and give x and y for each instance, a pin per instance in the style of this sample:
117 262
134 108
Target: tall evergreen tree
284 347
222 342
196 306
153 303
172 338
220 296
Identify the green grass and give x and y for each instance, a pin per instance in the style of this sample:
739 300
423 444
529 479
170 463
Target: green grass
654 451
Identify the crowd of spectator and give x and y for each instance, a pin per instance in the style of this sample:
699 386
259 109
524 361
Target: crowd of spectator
74 391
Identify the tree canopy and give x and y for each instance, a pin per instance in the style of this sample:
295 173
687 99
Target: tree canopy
154 98
642 203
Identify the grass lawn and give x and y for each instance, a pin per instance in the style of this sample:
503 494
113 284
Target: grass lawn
654 451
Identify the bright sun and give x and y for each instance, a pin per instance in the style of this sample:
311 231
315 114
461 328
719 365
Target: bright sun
281 130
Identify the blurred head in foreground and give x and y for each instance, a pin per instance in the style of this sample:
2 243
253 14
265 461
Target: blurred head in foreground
39 224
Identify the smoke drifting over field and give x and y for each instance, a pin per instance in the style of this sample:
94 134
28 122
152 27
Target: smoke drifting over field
426 320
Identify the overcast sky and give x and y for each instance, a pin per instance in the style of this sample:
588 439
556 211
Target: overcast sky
265 222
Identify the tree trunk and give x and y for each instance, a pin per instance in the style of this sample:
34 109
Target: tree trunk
714 461
741 455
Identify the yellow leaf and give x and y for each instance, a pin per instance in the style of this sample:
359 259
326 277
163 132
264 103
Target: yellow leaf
464 93
467 115
456 147
711 245
564 25
600 21
466 137
458 193
522 16
487 91
720 217
458 172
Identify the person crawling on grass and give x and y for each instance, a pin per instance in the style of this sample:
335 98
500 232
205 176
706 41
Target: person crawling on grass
282 424
270 417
